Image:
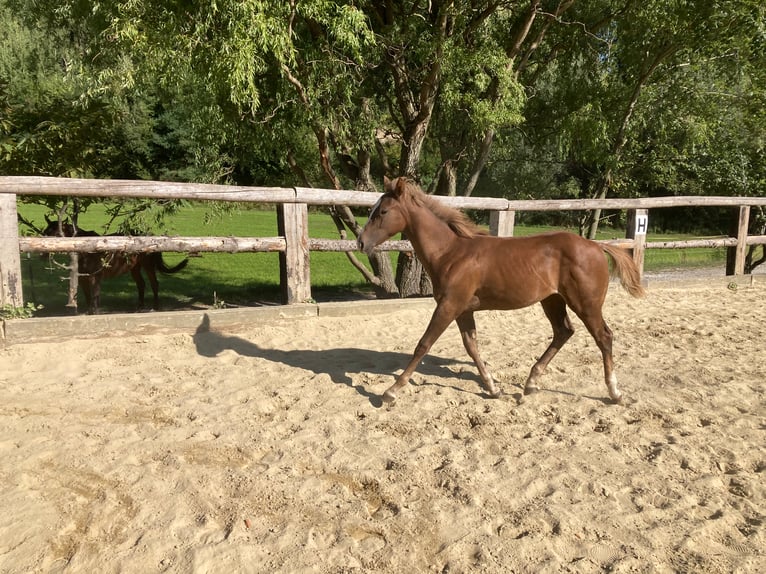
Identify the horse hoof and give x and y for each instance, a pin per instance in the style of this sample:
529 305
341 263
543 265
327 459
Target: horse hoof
531 390
388 398
617 400
495 394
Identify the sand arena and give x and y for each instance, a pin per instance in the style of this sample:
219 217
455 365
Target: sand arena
263 447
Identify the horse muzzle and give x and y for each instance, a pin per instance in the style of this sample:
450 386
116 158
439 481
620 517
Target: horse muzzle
365 248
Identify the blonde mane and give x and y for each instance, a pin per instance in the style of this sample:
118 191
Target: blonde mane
458 221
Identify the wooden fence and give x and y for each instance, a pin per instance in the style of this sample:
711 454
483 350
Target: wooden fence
294 244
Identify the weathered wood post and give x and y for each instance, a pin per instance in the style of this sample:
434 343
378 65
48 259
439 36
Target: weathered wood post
501 223
636 229
295 260
741 249
10 260
737 254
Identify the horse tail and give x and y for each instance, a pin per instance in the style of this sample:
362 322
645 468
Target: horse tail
162 266
625 268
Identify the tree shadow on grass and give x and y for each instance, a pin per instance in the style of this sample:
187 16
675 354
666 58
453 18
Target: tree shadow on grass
336 363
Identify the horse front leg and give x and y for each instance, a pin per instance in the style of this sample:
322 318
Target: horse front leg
86 284
440 320
467 325
94 305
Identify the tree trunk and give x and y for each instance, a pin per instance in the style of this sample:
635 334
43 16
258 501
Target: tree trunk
481 160
594 216
447 183
382 276
412 279
416 111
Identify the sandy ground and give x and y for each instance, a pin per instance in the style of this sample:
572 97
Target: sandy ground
264 448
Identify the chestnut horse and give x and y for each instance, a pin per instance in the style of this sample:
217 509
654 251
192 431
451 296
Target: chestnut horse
472 271
94 267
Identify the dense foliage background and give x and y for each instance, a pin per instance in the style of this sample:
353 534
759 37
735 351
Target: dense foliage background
521 99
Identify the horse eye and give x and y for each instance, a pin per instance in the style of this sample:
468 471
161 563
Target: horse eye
383 211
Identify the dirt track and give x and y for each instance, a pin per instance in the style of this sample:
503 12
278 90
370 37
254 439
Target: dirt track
263 448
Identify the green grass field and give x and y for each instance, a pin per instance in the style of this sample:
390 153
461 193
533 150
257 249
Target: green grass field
245 279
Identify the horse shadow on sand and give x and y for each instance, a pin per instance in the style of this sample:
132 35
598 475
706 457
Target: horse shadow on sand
339 363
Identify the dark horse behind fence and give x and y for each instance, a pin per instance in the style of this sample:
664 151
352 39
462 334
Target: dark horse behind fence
471 271
95 267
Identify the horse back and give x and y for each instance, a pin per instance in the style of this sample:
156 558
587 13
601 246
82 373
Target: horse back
106 264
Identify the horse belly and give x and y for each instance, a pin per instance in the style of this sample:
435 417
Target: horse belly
514 283
508 297
509 290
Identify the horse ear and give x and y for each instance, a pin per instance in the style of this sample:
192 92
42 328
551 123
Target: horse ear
400 185
386 181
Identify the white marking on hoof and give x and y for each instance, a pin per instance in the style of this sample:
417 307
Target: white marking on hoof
491 389
614 393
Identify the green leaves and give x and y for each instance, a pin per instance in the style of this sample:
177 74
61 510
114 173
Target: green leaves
651 97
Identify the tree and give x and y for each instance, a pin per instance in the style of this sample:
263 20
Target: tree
304 66
617 73
530 98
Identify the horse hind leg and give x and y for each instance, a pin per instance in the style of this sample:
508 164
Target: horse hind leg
135 272
467 326
151 273
556 310
591 316
603 336
94 305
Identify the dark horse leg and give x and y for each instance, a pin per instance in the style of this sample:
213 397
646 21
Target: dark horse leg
155 288
148 265
93 294
467 326
135 272
87 290
556 310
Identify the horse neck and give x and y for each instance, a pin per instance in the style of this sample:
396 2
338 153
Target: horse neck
430 236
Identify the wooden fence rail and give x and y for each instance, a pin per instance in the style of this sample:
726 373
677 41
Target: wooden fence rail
294 243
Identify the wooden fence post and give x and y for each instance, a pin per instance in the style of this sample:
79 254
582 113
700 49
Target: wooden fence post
295 261
741 249
636 229
501 223
10 261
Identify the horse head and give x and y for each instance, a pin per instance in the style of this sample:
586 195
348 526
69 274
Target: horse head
57 228
387 216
